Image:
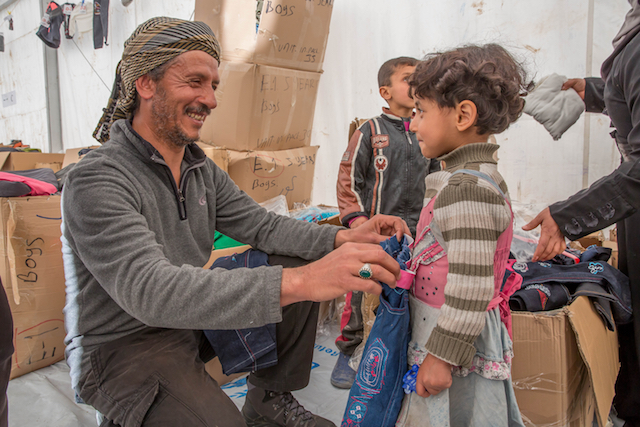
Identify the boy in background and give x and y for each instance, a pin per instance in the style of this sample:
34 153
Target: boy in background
382 172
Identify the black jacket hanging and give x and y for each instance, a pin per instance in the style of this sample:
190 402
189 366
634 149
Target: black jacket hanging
49 31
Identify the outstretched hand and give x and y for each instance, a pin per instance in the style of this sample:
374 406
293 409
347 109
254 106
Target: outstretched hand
337 273
579 85
433 377
376 230
551 241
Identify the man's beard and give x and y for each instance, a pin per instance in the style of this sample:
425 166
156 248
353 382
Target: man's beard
165 121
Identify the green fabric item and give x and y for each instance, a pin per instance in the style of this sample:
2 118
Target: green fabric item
220 241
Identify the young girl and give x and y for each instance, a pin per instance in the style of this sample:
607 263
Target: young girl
459 313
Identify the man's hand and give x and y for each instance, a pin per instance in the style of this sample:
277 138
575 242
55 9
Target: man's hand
376 230
337 273
434 376
579 85
551 239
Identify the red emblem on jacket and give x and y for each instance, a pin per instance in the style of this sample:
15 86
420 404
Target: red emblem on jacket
381 163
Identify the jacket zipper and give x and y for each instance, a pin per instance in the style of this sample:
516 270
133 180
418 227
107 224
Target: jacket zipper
179 192
409 158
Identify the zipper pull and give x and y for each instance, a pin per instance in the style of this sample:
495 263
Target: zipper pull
181 196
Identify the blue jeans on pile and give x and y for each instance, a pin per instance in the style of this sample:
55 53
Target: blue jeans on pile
249 349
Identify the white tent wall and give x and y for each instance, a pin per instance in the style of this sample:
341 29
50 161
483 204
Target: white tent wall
569 37
87 74
22 71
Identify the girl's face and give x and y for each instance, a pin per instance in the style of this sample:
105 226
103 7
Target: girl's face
435 128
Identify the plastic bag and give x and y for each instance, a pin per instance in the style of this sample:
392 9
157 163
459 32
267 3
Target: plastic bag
312 213
277 205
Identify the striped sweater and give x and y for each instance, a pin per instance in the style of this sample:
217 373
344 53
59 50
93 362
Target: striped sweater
470 215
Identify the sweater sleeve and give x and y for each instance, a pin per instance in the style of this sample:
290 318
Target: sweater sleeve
471 218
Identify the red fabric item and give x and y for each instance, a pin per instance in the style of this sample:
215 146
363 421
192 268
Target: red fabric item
38 188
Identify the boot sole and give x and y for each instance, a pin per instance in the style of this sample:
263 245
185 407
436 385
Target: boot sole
257 420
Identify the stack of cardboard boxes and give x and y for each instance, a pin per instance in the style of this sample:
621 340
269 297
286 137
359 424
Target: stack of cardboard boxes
269 74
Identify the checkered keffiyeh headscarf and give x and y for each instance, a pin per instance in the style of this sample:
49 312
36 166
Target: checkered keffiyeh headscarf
153 43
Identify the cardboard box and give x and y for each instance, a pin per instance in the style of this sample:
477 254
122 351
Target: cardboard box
219 155
33 277
595 238
613 261
291 34
18 161
261 107
565 366
72 155
613 234
215 254
266 174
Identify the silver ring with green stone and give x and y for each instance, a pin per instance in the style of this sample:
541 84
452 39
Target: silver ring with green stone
365 271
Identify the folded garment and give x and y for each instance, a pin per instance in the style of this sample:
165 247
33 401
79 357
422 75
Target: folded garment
32 182
249 349
540 297
556 109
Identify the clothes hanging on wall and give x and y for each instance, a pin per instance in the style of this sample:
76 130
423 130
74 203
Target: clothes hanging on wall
100 23
49 30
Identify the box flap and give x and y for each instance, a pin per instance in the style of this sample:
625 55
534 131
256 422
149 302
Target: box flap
18 161
72 155
4 155
599 350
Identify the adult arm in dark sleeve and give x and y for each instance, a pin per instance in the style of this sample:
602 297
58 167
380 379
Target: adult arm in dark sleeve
617 195
594 95
607 201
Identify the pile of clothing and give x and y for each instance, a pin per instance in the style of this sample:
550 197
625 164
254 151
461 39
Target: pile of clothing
555 283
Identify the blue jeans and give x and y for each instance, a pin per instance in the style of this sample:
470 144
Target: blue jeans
376 394
249 349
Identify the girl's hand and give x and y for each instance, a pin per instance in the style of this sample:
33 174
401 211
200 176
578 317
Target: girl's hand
434 376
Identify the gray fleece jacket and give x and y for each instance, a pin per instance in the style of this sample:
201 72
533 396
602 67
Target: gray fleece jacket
134 245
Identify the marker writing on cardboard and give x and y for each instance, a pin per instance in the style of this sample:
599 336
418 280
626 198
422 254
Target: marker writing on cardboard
271 107
266 185
31 276
285 191
35 338
301 160
269 82
269 141
279 9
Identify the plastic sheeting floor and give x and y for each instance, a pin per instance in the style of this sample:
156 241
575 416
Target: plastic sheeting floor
45 397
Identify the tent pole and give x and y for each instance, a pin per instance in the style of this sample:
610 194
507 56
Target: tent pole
52 93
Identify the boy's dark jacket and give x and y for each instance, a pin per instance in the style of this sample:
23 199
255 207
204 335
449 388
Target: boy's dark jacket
383 171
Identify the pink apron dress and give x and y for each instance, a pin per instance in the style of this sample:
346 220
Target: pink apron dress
481 395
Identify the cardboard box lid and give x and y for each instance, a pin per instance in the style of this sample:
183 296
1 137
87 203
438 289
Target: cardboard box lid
18 161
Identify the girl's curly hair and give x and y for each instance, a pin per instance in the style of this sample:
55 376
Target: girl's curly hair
486 75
